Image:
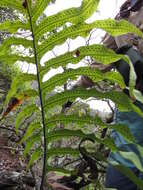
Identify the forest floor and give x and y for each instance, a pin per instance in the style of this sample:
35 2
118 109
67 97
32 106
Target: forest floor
13 175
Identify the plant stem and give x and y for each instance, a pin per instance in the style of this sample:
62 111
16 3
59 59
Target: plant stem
41 100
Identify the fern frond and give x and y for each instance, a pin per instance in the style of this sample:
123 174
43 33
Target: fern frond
98 52
31 141
26 112
73 15
17 84
31 130
60 37
36 155
14 4
15 41
12 58
116 28
88 7
60 60
40 6
66 119
12 27
116 78
26 94
78 133
117 97
62 151
124 131
60 79
113 27
108 142
94 74
66 133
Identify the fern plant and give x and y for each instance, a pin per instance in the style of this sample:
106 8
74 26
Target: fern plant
43 126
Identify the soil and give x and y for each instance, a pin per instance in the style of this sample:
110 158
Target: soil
9 161
12 168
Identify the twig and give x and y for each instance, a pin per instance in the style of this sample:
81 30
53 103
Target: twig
54 53
68 44
112 109
73 161
89 38
104 131
11 148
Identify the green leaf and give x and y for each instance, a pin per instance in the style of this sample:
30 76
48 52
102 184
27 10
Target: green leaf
113 27
132 78
11 59
30 130
108 142
140 149
60 37
60 79
116 78
98 52
72 15
38 9
36 155
61 60
117 97
14 41
17 83
62 151
66 119
58 169
66 133
12 27
133 157
117 28
31 141
26 112
138 95
124 131
14 4
130 174
94 74
137 110
27 94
